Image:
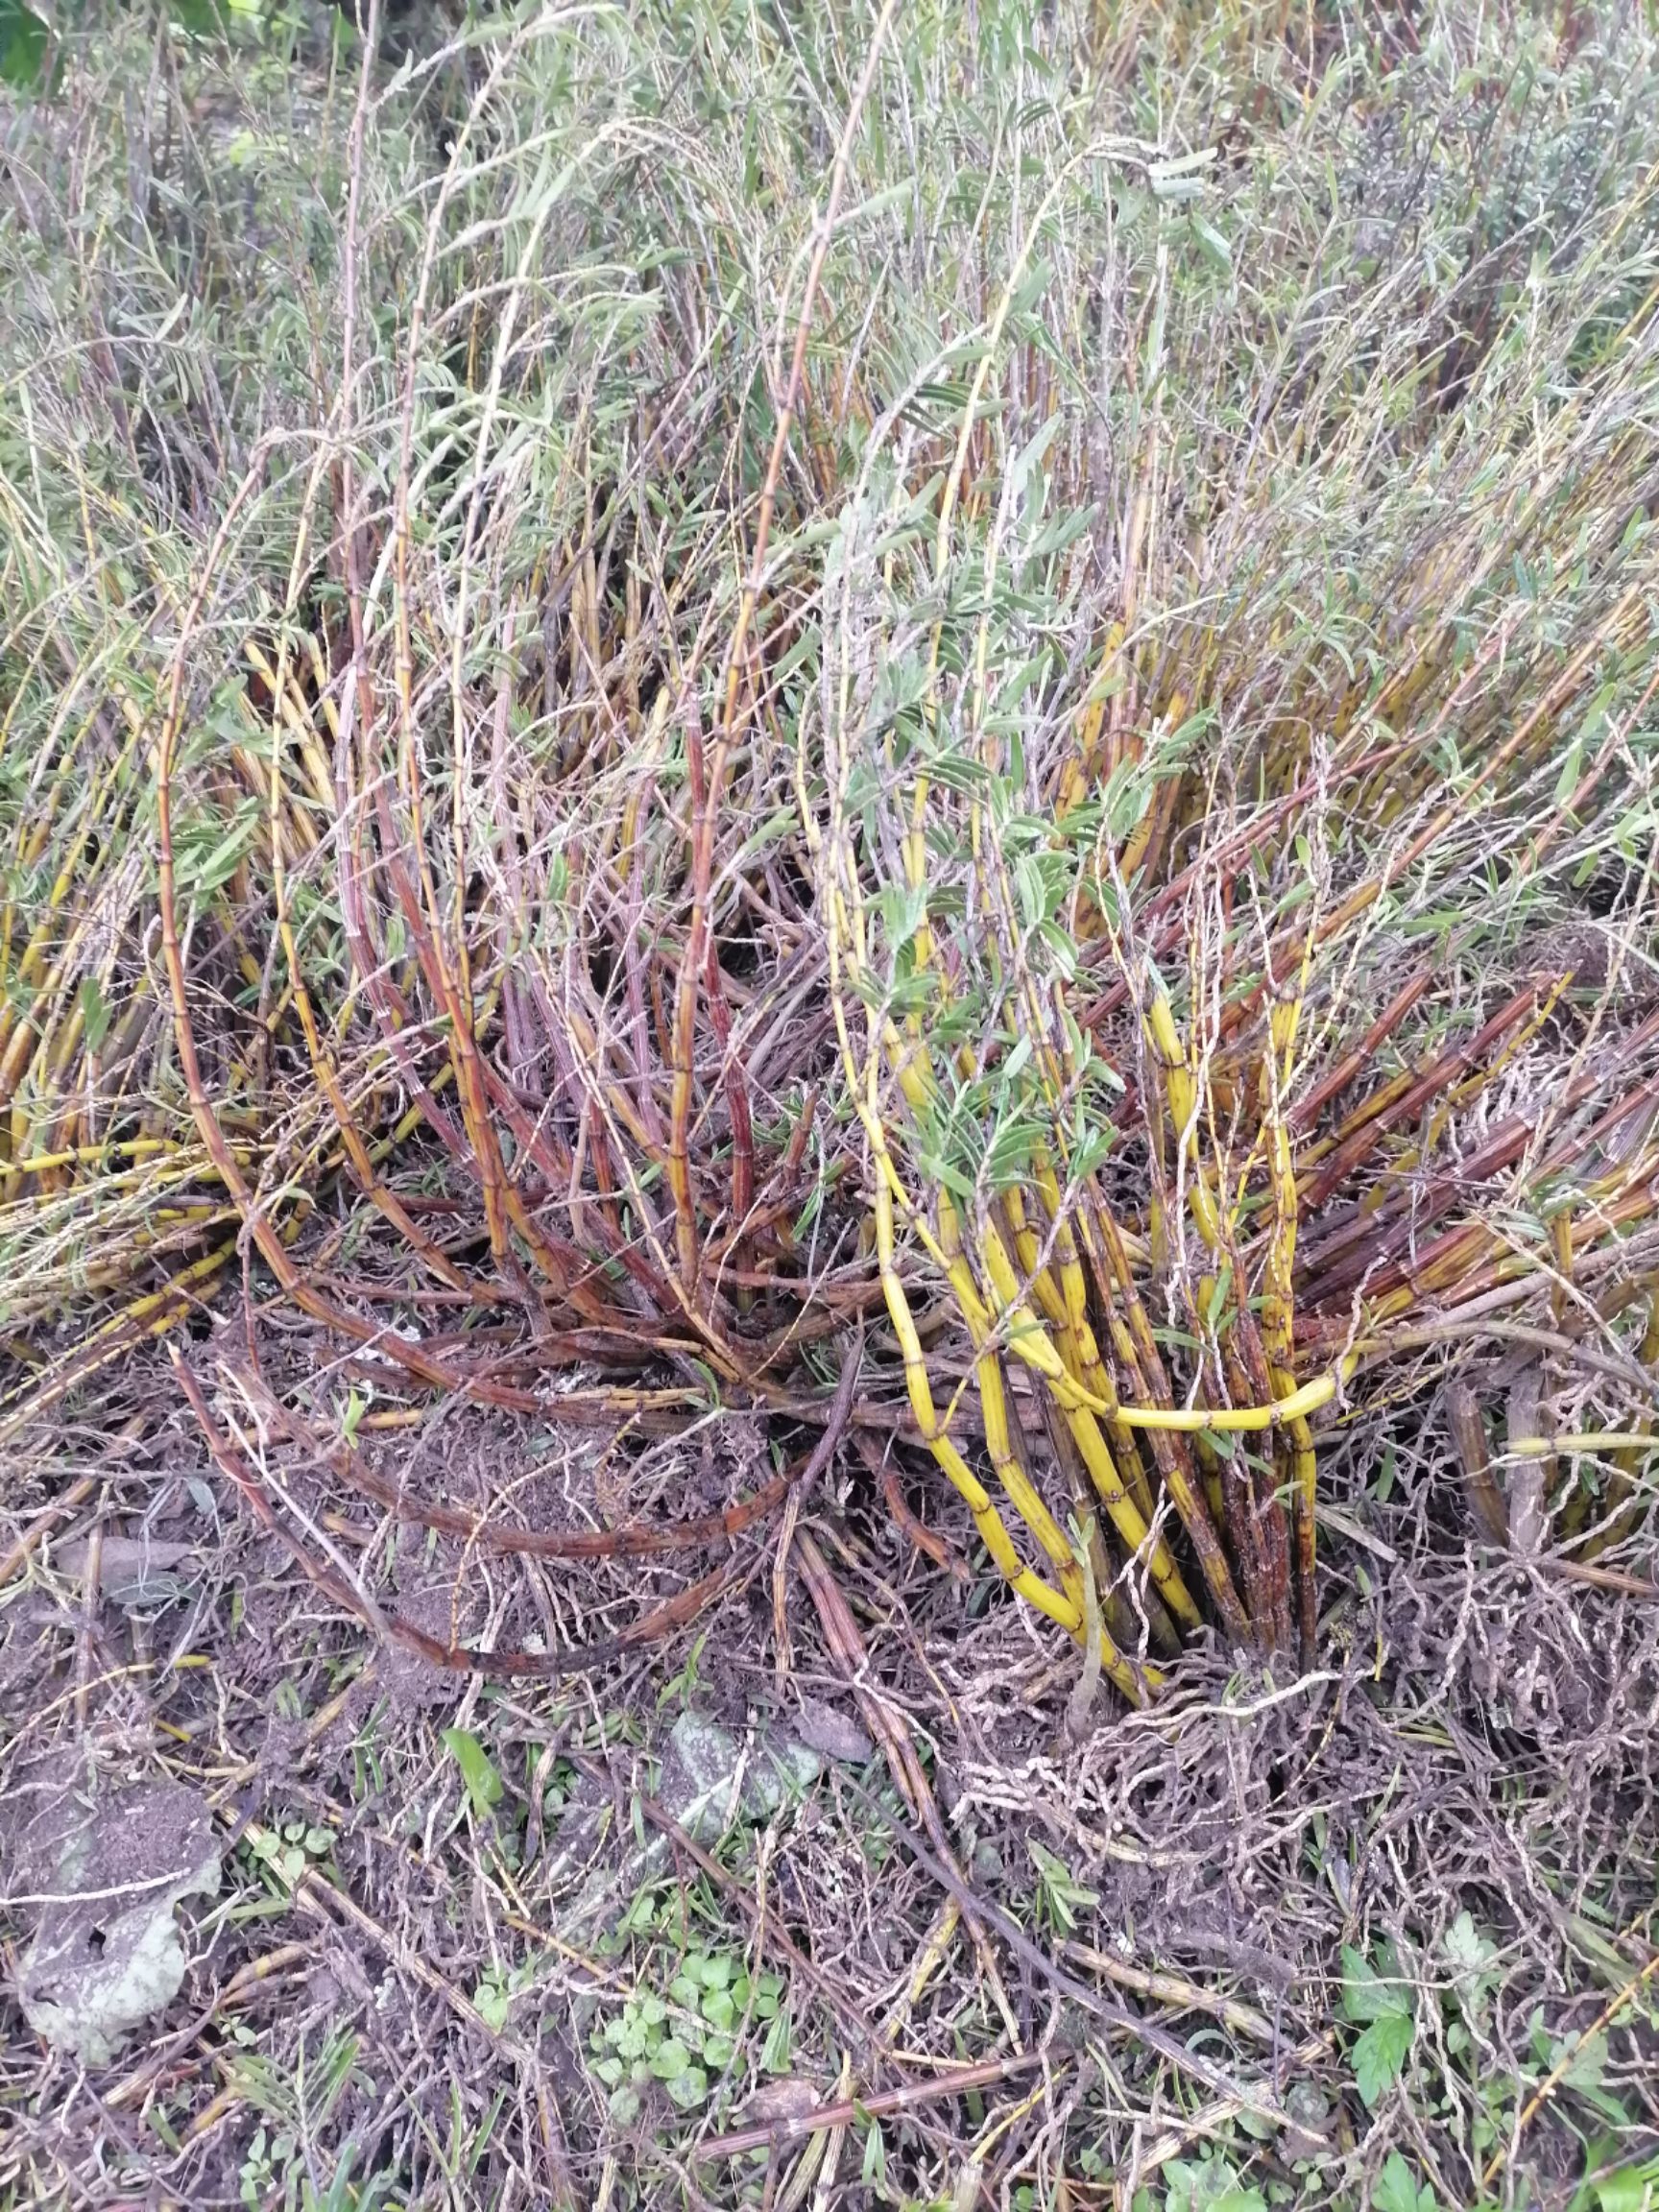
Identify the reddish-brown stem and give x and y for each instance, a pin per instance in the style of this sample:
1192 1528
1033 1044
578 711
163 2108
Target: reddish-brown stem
633 1542
1307 1110
726 731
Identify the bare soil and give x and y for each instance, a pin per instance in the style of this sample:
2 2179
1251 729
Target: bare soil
1146 1936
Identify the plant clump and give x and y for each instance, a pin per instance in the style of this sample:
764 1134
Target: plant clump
688 698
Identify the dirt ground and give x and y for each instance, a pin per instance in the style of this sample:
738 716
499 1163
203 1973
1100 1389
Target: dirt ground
831 1894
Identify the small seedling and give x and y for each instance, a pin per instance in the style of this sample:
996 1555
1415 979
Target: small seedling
478 1772
1377 1996
1061 1899
693 2035
492 1998
1209 2184
286 1853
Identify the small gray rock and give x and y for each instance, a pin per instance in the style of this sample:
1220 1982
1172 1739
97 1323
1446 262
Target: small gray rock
835 1735
106 1956
702 1778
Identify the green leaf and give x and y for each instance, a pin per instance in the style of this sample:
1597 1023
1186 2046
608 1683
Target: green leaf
1208 2185
1380 2054
200 17
22 46
1179 165
1061 1893
206 852
1366 1993
1571 762
689 2088
903 912
94 1012
1589 2059
1475 1973
775 2053
899 195
875 2169
1062 531
483 1783
670 2060
1061 948
1397 2191
1032 290
1627 2189
1212 241
1030 456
